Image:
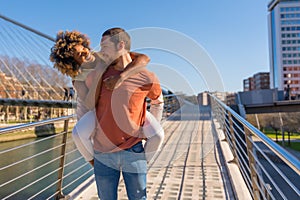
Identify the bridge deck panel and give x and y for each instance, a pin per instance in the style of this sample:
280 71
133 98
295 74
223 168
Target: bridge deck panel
178 171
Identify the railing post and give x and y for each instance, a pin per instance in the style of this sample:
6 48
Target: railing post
233 139
266 190
252 164
6 117
59 193
222 121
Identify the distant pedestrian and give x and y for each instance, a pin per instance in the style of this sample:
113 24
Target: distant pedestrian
23 92
71 94
287 93
66 94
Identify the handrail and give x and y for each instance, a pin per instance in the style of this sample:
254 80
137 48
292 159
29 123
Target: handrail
33 168
256 156
291 160
33 124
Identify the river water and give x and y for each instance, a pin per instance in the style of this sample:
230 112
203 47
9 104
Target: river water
19 169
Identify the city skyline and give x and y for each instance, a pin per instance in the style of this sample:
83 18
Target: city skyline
232 34
284 36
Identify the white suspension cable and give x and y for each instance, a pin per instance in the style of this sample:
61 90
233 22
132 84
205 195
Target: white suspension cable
22 42
5 40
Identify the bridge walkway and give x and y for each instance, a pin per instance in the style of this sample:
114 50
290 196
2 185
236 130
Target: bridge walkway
189 165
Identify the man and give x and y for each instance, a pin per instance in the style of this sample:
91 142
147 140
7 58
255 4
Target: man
120 114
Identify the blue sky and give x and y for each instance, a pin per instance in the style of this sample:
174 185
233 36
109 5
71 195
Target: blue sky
233 33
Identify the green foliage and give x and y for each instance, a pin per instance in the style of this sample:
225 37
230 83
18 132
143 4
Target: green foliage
272 134
295 146
294 139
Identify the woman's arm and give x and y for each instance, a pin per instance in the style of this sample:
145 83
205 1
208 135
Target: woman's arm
138 62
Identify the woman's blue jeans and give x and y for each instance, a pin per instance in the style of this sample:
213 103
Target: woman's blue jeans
131 162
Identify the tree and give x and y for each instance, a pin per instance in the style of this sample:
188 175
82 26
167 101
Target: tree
33 77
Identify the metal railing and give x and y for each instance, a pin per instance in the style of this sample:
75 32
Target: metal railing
47 167
269 171
42 94
39 168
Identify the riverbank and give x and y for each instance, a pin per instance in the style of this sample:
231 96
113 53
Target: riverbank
40 131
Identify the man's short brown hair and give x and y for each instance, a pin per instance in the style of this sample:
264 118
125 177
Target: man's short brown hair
117 35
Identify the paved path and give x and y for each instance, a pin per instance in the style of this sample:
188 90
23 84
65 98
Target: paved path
187 167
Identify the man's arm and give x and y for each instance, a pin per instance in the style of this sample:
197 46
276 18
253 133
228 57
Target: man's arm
138 62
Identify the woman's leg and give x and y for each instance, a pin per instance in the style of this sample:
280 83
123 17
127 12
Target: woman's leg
155 136
82 132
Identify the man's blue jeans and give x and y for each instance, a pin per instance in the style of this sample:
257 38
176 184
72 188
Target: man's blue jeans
131 162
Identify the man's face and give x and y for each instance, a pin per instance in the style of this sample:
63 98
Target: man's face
108 50
80 53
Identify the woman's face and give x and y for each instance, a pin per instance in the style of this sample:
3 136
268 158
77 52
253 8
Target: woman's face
80 53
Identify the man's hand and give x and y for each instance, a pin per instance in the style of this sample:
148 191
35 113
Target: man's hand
112 82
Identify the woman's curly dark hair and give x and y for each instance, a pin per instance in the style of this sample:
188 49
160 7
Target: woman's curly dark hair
62 51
